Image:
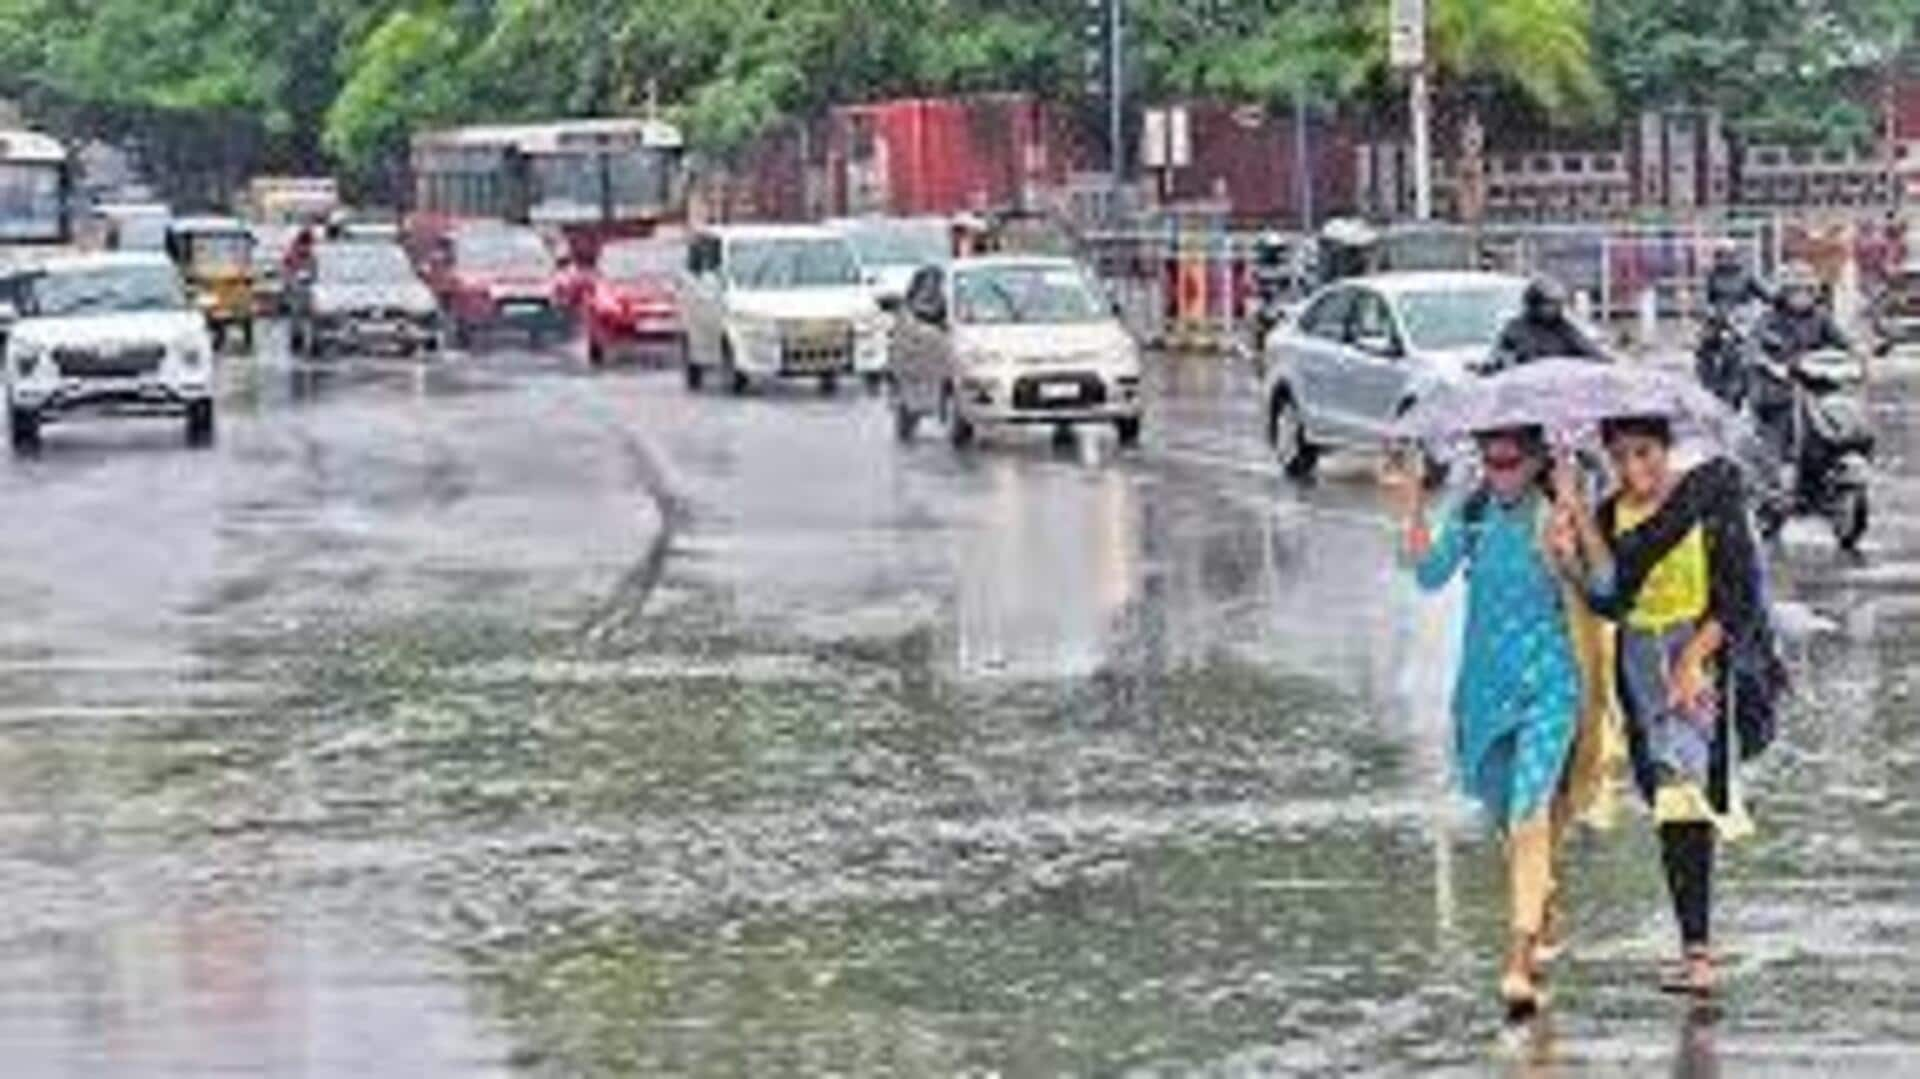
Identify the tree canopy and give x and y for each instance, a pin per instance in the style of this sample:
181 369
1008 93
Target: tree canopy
348 79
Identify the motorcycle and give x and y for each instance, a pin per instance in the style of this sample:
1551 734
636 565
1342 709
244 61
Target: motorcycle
1723 357
1827 445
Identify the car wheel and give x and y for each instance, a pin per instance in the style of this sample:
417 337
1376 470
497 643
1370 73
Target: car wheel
829 385
219 333
1287 432
596 355
23 425
695 374
906 422
737 382
876 382
200 423
960 430
246 335
1128 428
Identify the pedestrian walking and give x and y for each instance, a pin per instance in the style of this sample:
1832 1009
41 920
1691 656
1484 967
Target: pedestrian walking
1518 697
1673 561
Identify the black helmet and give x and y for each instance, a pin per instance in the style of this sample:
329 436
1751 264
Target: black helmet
1545 299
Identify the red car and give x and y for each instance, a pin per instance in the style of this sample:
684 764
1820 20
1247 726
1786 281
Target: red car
495 277
630 307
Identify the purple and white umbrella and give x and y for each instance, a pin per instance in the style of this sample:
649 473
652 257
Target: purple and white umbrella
1568 398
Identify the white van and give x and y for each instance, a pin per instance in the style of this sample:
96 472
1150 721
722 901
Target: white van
779 301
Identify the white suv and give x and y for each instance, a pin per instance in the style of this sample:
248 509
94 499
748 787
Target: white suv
111 333
780 301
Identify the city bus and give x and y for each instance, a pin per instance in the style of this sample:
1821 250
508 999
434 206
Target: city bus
36 190
590 180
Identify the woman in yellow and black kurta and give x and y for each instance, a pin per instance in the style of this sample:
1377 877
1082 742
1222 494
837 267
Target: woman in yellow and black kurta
1673 562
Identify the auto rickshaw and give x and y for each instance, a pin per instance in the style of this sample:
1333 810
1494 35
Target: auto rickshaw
215 256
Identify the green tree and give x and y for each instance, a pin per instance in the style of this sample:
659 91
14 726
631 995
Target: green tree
1778 69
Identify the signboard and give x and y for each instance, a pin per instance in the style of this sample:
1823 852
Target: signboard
1166 140
1407 34
1153 139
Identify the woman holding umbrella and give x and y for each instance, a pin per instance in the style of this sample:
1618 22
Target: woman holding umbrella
1517 698
1673 562
1534 700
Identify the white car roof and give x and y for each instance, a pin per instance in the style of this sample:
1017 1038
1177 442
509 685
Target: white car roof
105 260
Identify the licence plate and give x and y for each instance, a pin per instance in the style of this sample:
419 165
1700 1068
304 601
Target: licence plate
523 307
1059 391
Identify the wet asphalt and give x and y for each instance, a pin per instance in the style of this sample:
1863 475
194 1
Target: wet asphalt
491 716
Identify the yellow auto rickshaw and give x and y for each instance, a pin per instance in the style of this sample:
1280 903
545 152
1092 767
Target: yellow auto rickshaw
215 256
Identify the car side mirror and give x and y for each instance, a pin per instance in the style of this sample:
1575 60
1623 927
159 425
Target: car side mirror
890 304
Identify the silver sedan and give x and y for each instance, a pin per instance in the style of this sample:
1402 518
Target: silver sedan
1362 351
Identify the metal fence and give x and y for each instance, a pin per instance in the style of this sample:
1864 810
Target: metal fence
1188 284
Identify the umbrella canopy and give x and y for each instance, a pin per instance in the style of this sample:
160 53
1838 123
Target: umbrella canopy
1567 398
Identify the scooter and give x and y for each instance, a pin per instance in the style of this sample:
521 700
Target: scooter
1828 445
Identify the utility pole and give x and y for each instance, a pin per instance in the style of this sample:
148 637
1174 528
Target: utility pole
1407 51
1116 94
1105 30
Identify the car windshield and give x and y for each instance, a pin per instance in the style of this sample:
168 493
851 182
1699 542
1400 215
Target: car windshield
791 263
632 262
361 263
94 289
1026 295
502 250
899 243
1459 317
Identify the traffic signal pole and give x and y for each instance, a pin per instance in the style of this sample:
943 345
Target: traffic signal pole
1116 92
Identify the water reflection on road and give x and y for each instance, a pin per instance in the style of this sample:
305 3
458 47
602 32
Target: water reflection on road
397 739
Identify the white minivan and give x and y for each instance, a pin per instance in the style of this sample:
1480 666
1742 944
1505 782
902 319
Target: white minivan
779 302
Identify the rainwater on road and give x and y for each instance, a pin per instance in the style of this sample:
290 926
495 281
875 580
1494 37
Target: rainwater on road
488 717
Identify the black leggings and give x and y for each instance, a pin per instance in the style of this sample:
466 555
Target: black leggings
1686 849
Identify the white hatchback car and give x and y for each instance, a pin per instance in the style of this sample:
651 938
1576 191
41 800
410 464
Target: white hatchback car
779 301
1013 340
1362 351
111 333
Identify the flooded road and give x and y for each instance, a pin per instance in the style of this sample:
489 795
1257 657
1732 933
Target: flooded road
497 719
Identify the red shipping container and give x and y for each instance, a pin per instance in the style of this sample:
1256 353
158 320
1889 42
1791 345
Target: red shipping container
988 152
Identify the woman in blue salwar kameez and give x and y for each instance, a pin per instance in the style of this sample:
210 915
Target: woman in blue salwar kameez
1517 698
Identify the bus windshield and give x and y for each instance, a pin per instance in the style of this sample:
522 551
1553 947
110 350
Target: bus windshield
32 206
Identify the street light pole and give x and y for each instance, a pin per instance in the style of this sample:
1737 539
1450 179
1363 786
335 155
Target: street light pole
1116 89
1422 145
1407 51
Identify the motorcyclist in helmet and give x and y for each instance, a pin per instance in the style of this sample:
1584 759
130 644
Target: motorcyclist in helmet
1796 325
1542 330
1730 284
